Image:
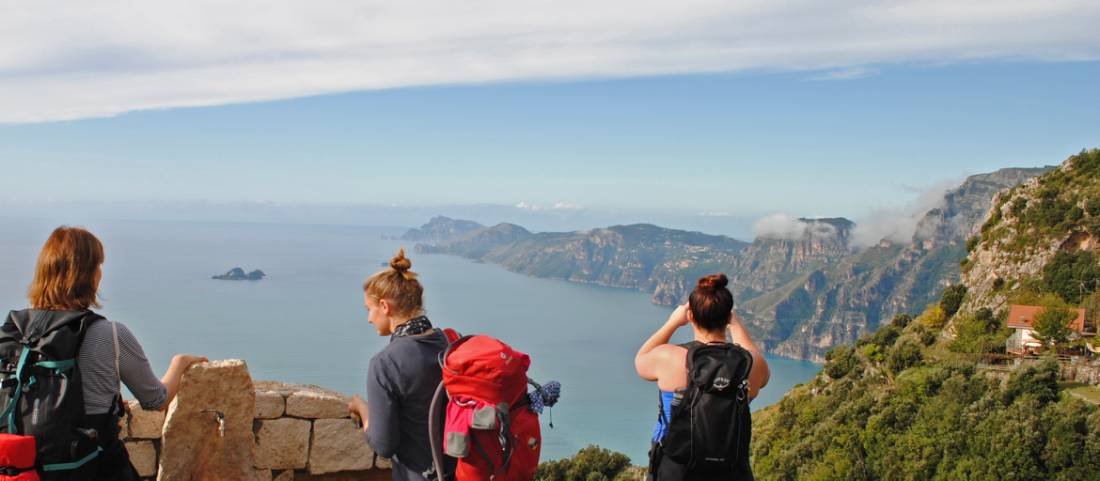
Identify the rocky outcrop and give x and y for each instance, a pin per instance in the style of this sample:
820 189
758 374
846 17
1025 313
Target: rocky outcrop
860 291
441 229
269 431
800 295
1029 225
238 274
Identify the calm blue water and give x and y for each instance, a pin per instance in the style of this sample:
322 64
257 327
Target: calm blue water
306 323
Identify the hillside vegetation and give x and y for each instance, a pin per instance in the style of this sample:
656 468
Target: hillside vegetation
913 401
917 399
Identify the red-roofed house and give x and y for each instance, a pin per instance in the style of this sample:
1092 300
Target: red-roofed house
1022 317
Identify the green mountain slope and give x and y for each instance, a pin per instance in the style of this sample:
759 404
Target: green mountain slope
916 400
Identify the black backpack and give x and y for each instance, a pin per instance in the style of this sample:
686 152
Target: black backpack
40 389
710 429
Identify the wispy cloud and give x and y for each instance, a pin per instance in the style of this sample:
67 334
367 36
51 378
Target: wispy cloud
561 206
780 226
899 225
850 73
65 60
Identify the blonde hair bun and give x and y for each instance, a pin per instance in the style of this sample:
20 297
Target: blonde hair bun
398 285
400 263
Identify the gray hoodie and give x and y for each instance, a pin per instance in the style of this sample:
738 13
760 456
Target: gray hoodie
401 381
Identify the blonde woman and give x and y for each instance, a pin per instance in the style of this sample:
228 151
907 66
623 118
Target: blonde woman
403 376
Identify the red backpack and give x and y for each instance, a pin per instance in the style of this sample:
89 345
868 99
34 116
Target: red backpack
490 423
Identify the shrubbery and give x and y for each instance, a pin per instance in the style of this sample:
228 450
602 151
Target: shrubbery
1052 326
592 463
933 317
1072 275
938 420
979 333
952 299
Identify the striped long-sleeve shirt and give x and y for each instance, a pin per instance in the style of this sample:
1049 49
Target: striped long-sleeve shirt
100 378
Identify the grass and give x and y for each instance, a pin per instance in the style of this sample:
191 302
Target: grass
1082 391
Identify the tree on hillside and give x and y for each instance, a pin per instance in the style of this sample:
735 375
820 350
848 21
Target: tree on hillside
592 463
1091 304
979 333
1052 326
952 299
933 317
1072 275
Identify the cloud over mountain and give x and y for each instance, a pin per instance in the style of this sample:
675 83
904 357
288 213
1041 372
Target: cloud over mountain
899 225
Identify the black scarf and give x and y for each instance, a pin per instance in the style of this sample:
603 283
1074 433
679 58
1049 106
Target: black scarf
415 326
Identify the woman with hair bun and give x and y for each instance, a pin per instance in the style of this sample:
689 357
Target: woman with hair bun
403 376
720 361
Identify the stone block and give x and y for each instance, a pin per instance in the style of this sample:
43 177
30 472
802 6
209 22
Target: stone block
208 429
144 457
144 424
282 443
369 475
263 475
316 405
269 404
287 475
382 463
337 445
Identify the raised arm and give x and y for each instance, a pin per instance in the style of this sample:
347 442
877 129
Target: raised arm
646 361
137 375
760 374
171 379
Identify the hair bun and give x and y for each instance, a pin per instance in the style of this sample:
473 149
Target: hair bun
713 282
400 263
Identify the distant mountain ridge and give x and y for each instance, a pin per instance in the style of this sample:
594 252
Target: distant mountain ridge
800 296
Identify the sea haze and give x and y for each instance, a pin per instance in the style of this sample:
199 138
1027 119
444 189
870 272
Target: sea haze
306 323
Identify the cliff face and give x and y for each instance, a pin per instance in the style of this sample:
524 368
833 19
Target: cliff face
1029 225
859 291
915 386
800 296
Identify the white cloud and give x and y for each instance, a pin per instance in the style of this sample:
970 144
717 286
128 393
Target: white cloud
780 226
899 225
67 60
850 73
788 227
561 206
567 206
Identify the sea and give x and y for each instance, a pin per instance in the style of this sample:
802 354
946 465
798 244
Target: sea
305 322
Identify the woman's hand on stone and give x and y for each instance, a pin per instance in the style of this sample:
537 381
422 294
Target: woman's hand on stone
186 360
357 407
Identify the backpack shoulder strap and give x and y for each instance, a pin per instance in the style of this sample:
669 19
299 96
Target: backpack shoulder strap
451 334
114 335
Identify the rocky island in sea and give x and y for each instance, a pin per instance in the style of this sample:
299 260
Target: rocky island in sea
238 274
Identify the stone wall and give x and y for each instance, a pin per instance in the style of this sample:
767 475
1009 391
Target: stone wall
299 432
1076 369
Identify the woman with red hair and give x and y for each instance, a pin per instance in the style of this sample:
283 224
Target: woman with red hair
60 340
712 370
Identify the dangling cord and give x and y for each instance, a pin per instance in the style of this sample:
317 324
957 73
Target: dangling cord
545 396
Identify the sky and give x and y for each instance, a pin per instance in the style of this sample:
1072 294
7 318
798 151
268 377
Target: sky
708 115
